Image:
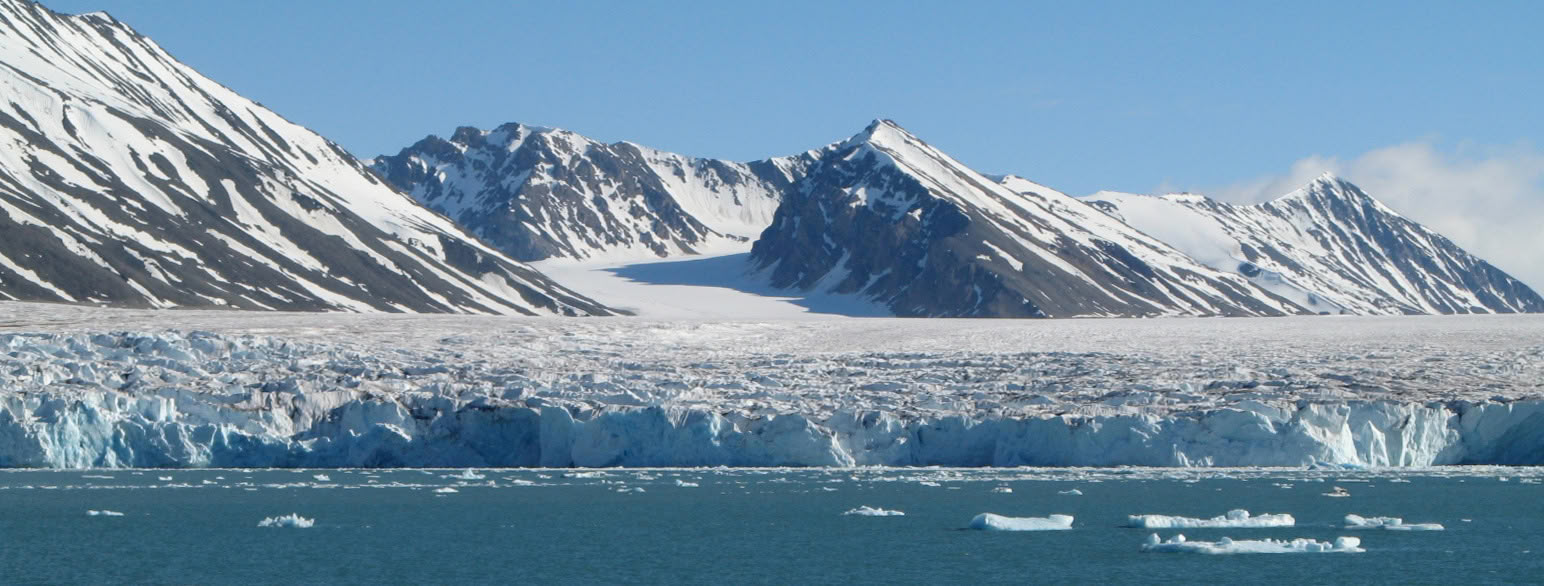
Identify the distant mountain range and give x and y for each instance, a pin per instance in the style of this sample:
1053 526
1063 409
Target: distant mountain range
133 180
885 217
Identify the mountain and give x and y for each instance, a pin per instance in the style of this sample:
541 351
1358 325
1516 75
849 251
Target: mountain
887 217
539 193
129 178
1329 247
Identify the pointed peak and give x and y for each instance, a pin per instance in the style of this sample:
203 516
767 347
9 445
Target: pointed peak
1327 179
466 134
882 132
1329 187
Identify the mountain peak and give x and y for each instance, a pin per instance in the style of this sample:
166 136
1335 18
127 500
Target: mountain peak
882 132
1330 187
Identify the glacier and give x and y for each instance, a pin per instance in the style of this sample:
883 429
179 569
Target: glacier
85 387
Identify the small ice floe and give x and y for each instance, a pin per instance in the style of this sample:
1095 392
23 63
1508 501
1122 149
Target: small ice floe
994 522
322 477
468 474
100 476
1337 492
633 489
1390 523
1178 544
445 490
164 478
867 511
1070 492
929 483
1236 518
290 520
685 484
104 513
1400 480
1002 490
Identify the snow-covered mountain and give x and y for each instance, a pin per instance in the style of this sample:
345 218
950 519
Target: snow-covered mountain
1328 247
539 193
129 178
888 217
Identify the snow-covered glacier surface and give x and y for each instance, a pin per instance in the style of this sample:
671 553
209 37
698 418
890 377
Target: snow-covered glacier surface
82 387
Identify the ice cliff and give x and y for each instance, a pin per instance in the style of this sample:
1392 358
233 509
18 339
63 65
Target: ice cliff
75 400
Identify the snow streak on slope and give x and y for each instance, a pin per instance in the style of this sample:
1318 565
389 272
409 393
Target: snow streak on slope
1330 248
540 193
127 177
887 217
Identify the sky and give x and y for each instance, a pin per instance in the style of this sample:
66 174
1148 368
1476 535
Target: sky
1432 107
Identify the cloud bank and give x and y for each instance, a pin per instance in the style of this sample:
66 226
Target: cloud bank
1489 200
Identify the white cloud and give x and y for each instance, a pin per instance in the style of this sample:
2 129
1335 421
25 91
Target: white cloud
1488 200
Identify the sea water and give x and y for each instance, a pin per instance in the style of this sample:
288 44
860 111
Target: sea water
749 525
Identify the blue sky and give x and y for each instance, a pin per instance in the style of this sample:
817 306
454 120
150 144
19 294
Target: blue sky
1219 97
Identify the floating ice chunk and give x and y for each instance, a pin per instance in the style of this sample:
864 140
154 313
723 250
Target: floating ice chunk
685 484
321 477
1338 492
1236 518
1072 492
1178 544
290 520
1390 523
1002 490
445 490
468 474
994 522
867 511
104 513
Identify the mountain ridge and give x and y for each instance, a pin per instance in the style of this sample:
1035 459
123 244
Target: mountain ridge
134 180
1333 243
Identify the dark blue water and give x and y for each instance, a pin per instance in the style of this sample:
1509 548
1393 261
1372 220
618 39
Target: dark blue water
745 526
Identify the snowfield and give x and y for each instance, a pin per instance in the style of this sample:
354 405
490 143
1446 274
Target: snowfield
85 387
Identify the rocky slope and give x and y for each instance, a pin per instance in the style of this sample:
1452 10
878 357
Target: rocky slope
1329 247
539 193
888 217
129 178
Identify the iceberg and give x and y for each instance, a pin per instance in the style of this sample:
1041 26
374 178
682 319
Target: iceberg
104 513
867 511
1389 523
994 522
291 520
1236 518
1178 544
